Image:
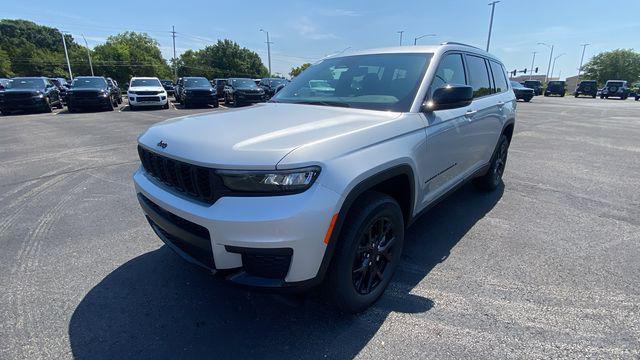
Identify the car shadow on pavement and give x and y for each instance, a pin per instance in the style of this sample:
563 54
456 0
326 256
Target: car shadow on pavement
158 306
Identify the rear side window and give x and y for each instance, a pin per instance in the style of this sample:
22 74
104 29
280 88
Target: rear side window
499 77
450 71
478 76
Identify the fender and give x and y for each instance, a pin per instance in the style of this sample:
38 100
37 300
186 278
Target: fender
359 189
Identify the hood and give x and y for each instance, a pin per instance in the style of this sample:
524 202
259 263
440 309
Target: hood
248 88
146 88
21 91
257 137
87 89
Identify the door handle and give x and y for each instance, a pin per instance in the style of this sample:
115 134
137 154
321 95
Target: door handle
470 114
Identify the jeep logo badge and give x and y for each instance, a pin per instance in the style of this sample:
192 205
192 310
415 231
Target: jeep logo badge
162 144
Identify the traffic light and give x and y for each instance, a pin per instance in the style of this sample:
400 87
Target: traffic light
536 70
514 72
525 70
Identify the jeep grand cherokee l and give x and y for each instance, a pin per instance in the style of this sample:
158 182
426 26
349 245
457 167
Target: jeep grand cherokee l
145 92
29 93
314 188
197 91
238 91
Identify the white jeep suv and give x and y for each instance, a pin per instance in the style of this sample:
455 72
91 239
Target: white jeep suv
318 185
146 91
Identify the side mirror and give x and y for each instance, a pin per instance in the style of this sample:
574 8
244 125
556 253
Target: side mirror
449 97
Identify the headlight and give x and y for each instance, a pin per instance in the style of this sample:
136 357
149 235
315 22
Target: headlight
270 182
104 93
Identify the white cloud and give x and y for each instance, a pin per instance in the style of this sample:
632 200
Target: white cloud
338 12
309 30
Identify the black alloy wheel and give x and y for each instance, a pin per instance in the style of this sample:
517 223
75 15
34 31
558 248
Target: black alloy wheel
374 253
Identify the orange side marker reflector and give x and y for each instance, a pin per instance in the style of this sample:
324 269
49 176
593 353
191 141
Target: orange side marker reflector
330 229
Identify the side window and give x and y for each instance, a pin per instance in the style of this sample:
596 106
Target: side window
499 78
478 76
450 71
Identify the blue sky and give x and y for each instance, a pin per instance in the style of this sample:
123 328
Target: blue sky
304 31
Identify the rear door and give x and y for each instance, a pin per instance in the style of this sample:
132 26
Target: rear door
487 113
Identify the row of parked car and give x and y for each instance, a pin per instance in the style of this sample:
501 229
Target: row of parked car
44 94
613 88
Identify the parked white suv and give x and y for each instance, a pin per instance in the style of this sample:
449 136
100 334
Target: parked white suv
146 91
318 186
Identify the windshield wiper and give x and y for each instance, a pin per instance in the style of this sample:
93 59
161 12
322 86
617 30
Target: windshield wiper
325 103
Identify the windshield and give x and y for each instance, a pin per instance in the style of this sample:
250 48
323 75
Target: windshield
516 84
614 83
556 83
376 82
196 82
531 83
89 83
145 82
244 83
274 83
24 83
166 82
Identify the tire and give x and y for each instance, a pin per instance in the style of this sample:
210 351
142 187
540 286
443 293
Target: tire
215 105
354 282
132 108
186 104
637 98
46 106
593 96
526 100
166 106
601 96
109 105
561 95
235 103
492 179
71 109
576 96
226 100
4 113
119 99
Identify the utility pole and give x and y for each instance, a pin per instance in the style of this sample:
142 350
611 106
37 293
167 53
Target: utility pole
493 9
415 40
175 61
584 47
532 64
88 54
546 77
268 49
66 54
400 32
553 67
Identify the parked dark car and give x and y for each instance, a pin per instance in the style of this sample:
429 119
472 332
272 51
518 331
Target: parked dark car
219 84
168 86
615 88
29 93
63 87
557 87
197 91
240 91
536 85
522 92
115 90
269 85
90 92
587 87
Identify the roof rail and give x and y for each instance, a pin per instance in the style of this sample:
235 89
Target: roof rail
459 43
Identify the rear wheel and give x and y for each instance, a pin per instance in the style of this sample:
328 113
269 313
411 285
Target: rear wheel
368 252
491 180
46 105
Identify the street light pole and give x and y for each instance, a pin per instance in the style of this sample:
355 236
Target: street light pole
400 32
493 9
268 49
532 63
415 40
584 47
66 54
88 54
546 78
554 64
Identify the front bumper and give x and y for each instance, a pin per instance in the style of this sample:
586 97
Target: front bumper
22 104
147 100
88 102
210 99
243 230
250 98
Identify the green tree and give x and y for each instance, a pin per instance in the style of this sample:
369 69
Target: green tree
223 59
620 64
297 70
130 54
5 65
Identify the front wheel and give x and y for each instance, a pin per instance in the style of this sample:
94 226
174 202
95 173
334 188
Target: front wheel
492 179
46 106
166 106
367 254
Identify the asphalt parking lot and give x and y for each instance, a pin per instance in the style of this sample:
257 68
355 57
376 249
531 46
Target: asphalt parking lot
546 267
